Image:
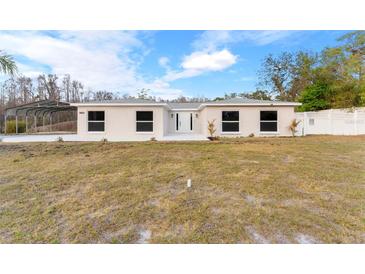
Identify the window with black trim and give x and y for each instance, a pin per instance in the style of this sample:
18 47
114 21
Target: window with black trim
144 121
230 121
96 121
268 121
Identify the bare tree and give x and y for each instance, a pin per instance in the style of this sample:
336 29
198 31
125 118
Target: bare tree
66 87
48 88
143 93
287 74
76 91
25 86
103 95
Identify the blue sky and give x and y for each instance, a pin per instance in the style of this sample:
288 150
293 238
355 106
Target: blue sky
169 63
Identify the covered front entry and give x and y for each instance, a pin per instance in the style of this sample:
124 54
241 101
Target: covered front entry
184 122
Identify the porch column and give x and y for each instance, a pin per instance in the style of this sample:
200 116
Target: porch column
6 117
50 122
35 123
16 124
26 123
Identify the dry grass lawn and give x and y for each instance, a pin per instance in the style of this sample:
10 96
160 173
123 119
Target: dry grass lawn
249 190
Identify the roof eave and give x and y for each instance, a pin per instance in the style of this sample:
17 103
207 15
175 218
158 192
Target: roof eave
116 105
281 104
182 109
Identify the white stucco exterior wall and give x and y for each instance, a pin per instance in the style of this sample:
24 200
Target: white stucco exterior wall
249 119
120 122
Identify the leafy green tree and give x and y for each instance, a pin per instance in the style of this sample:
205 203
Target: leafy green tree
354 51
315 97
342 68
7 64
288 74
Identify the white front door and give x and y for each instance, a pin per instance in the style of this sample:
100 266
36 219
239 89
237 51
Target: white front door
184 122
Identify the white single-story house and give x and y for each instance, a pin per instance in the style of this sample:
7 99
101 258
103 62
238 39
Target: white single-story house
140 119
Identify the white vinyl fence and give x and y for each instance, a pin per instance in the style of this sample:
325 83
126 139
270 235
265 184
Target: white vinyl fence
332 121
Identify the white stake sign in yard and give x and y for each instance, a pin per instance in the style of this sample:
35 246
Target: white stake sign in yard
188 183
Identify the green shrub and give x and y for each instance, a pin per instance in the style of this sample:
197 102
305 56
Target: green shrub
10 126
315 97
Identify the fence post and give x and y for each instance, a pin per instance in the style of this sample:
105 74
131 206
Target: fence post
304 123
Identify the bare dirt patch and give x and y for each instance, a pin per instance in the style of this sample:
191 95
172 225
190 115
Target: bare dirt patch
305 239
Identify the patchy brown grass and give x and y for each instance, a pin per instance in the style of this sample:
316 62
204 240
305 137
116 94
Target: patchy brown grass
252 190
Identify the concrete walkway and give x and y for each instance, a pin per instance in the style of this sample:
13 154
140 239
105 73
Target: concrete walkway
76 138
39 138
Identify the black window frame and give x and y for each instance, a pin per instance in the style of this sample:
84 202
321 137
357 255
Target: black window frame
226 122
148 123
95 121
268 121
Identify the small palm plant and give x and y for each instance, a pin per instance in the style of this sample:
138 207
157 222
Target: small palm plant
7 64
293 126
212 129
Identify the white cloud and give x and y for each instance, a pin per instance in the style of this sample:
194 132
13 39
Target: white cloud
29 71
111 59
164 62
201 62
100 59
215 61
213 40
211 53
162 89
266 37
